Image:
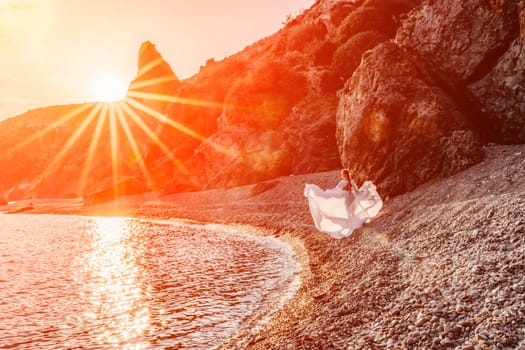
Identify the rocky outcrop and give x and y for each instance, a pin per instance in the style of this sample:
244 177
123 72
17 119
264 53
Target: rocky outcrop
178 115
423 105
502 91
474 47
414 109
460 40
348 56
398 128
502 96
155 81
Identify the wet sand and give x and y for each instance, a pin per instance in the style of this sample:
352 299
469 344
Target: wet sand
440 267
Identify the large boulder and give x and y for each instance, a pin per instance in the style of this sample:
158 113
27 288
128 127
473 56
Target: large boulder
474 48
396 127
460 39
502 91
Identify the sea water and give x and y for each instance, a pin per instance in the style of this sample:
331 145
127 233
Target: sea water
102 282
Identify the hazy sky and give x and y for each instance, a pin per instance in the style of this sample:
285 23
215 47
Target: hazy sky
52 50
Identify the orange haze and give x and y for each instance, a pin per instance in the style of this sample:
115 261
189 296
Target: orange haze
50 51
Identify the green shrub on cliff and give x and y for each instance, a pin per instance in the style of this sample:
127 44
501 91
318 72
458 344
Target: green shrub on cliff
300 36
365 19
348 56
396 6
377 15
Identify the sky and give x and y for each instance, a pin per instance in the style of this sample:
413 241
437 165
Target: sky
55 51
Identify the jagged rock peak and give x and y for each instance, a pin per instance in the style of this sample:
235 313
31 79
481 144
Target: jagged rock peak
154 76
148 53
151 65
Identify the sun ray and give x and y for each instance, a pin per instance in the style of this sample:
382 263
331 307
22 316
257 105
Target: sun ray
130 112
69 143
53 125
92 146
133 143
176 99
162 118
152 82
146 68
114 141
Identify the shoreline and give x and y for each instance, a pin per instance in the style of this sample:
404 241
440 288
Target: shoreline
439 267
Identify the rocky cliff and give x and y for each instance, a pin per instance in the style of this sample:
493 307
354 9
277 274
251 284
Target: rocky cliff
398 91
421 105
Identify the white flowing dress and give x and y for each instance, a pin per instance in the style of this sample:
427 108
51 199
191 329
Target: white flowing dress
339 212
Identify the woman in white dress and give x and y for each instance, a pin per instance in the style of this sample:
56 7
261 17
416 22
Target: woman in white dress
340 210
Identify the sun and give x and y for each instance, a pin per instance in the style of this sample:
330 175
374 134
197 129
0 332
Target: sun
108 88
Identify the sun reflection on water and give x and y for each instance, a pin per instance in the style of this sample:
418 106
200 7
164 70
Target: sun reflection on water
120 283
110 275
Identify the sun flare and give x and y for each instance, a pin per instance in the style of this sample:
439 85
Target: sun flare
108 88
